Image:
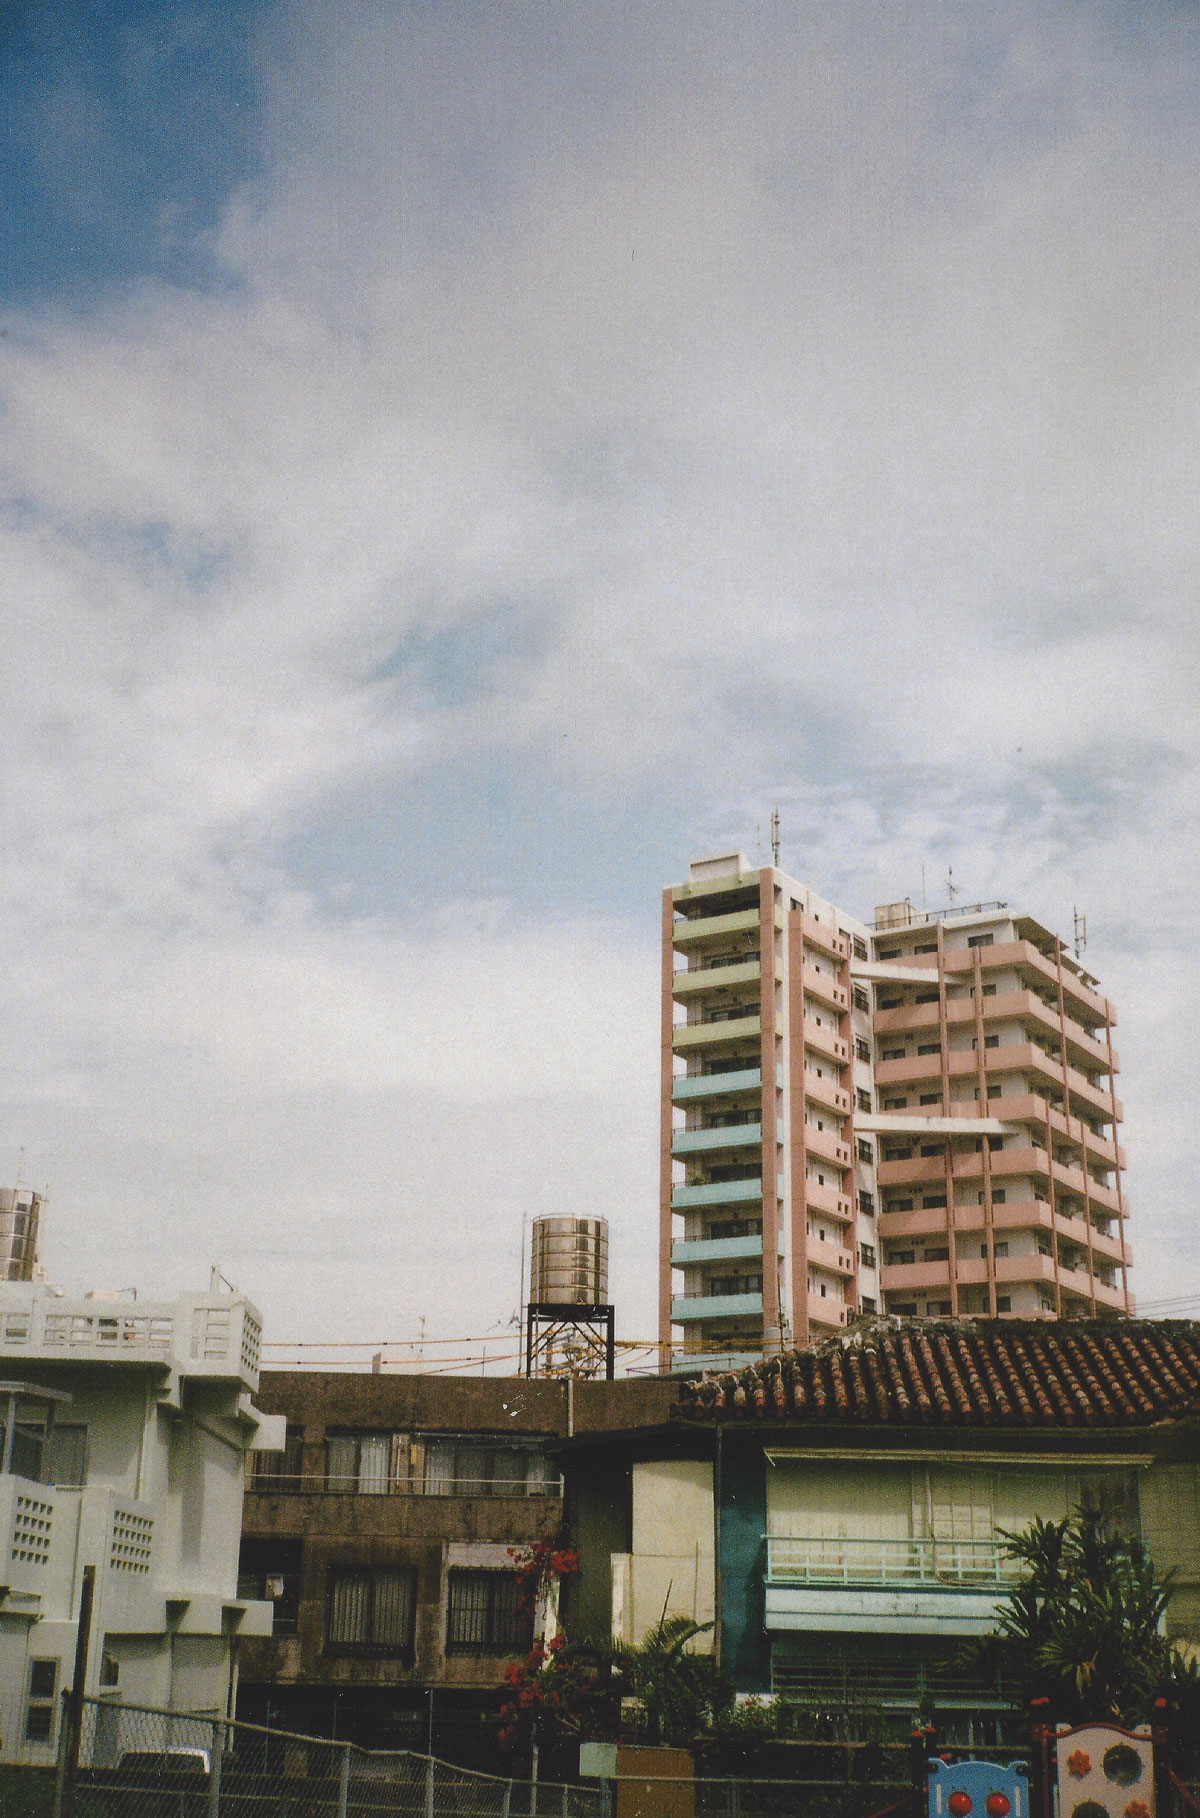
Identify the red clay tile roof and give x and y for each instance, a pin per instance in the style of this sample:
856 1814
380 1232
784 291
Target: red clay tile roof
969 1373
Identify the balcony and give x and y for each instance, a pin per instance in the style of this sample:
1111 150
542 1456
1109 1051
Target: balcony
825 1040
716 1193
820 985
723 1136
688 1036
716 1306
688 1086
826 1091
969 1564
703 928
714 1249
717 978
819 934
825 1143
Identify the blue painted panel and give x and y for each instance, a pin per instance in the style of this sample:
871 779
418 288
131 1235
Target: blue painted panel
742 1500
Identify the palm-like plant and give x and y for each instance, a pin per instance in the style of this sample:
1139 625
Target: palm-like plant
1083 1627
677 1689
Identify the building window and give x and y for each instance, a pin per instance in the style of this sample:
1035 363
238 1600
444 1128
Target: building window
991 1041
279 1471
867 1255
929 1048
484 1614
474 1465
894 1104
861 1000
931 1098
904 1307
980 940
1004 1303
868 1304
989 990
999 1195
39 1707
890 1054
365 1463
1000 1249
925 997
370 1610
933 1200
935 1253
865 1152
269 1572
863 1100
859 947
65 1456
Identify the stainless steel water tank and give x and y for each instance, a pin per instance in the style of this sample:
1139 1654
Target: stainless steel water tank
569 1262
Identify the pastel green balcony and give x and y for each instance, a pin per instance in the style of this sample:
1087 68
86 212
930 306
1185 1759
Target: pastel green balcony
713 1249
715 1306
716 1193
726 1136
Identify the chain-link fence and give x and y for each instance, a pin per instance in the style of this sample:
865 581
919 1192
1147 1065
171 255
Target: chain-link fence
135 1762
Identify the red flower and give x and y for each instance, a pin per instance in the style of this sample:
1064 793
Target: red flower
1079 1763
1137 1808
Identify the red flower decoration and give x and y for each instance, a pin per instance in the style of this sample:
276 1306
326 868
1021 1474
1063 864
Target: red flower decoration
1079 1763
1137 1808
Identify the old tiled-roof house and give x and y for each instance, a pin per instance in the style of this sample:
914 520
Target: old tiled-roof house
837 1513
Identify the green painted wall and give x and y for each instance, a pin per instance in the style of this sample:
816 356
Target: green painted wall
745 1651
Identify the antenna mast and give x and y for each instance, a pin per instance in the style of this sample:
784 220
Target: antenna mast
1080 932
952 889
775 837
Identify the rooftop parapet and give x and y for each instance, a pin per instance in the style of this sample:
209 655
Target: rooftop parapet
211 1335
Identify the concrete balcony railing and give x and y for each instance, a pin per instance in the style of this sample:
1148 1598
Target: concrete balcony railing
826 1091
721 1136
969 1564
686 1036
820 985
825 1040
703 928
716 1193
715 1306
818 934
826 1144
698 979
689 1086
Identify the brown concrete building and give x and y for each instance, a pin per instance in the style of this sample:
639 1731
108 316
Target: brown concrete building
382 1537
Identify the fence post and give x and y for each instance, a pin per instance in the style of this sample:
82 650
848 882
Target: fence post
64 1798
506 1801
343 1798
565 1807
429 1786
217 1741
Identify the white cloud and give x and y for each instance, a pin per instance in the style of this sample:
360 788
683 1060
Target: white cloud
818 396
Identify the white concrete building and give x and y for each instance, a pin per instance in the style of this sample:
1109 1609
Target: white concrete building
125 1429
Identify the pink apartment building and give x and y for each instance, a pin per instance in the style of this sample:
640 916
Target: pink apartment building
913 1116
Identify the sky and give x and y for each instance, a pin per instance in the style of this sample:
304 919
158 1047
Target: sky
458 462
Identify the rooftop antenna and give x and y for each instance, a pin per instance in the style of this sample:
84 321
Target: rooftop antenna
775 837
952 889
1080 932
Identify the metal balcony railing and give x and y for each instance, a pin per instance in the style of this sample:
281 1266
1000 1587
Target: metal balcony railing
941 1564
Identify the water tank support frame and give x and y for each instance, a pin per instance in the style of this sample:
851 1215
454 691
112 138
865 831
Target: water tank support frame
586 1337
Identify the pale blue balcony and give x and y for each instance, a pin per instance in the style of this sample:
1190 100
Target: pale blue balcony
716 1193
694 1363
713 1249
970 1564
716 1306
728 1136
688 1086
